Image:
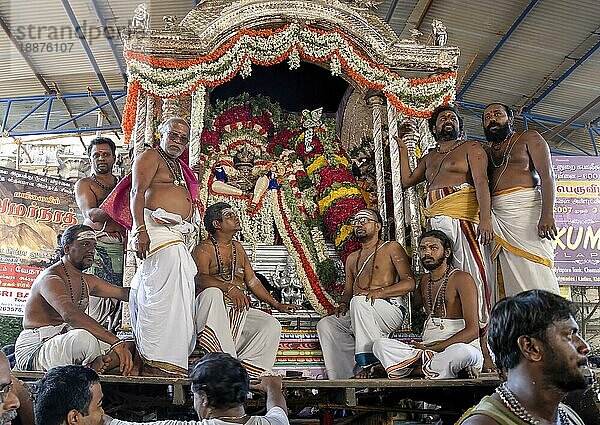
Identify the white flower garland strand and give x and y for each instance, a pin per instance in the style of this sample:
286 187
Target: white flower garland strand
197 123
166 82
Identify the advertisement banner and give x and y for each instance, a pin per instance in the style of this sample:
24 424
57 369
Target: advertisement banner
33 212
577 218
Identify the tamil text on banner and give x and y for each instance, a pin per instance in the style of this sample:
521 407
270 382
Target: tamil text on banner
578 220
33 211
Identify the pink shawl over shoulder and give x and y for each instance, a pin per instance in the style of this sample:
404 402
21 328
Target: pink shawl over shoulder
116 204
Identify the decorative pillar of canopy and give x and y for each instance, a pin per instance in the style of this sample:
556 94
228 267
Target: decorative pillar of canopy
375 101
138 136
397 195
412 141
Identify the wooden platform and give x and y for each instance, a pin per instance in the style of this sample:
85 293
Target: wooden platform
173 395
143 398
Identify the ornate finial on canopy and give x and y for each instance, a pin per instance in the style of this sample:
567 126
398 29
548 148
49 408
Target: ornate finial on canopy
141 18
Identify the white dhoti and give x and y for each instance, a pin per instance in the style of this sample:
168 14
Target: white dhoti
455 211
251 336
162 296
399 359
526 260
347 341
50 346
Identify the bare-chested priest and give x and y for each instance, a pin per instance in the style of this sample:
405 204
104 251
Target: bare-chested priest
523 193
458 200
164 230
57 331
377 276
90 192
450 346
225 320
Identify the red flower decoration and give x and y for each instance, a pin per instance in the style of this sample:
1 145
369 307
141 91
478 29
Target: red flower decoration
210 138
330 175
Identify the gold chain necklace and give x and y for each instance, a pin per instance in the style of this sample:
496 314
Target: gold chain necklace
220 264
505 153
70 286
107 188
456 145
178 179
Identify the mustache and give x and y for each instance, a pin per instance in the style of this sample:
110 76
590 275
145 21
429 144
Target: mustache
427 258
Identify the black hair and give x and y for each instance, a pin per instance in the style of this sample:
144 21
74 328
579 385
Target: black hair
102 141
509 112
222 378
61 390
529 313
437 111
443 238
69 236
214 212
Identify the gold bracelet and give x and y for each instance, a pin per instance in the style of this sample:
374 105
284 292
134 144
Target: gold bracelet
230 289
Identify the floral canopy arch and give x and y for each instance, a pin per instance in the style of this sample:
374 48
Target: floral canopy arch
220 39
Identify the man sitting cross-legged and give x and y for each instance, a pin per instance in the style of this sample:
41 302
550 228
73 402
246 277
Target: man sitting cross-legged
225 321
376 276
57 331
450 346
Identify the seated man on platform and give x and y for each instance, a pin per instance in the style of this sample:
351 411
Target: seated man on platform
72 395
90 192
450 346
225 321
57 331
371 307
535 340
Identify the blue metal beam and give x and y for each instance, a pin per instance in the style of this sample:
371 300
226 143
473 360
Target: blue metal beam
27 115
543 118
47 120
562 77
5 119
67 131
538 119
87 111
36 102
501 43
62 96
111 43
90 55
564 139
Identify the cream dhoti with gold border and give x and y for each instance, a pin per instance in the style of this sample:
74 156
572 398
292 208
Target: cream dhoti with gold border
347 341
455 211
526 260
252 336
162 294
399 359
51 346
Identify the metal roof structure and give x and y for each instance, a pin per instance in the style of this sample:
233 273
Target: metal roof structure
538 56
